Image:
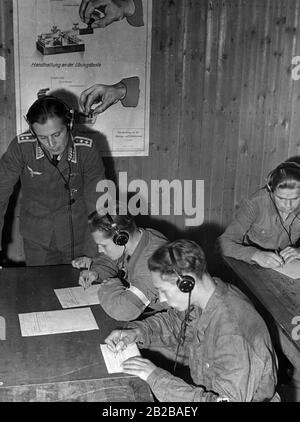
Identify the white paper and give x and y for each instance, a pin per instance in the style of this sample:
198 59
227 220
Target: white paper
2 68
113 360
77 296
291 269
53 322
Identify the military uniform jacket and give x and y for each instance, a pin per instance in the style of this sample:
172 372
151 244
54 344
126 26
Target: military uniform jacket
45 197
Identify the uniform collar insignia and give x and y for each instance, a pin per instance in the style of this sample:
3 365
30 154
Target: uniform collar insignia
72 156
39 153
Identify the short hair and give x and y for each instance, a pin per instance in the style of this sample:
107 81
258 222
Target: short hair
48 107
189 258
285 176
119 215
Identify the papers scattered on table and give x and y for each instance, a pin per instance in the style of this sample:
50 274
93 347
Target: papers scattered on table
113 360
291 269
53 322
77 296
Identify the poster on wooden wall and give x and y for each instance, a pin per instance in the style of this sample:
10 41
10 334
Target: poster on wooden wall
57 52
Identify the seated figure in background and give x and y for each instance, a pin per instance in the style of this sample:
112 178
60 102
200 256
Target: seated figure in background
266 228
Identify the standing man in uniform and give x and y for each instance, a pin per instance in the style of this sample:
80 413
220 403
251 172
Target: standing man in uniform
59 172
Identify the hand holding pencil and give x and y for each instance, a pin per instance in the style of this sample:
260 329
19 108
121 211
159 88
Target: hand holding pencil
87 277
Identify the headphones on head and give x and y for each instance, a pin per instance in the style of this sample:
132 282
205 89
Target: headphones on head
69 116
185 283
120 237
272 174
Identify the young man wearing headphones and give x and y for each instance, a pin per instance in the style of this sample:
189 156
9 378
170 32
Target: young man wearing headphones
126 289
59 172
212 327
266 229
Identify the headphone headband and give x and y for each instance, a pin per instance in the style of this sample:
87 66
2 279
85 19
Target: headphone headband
120 237
185 283
70 113
282 166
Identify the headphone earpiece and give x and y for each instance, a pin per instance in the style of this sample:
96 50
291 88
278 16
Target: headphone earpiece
185 283
120 237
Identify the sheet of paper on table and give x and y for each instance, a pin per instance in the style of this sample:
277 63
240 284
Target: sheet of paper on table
54 322
291 269
113 360
76 296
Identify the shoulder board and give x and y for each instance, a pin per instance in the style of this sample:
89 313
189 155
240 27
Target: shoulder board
26 137
80 140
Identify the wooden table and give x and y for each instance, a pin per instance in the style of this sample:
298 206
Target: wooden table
279 296
58 367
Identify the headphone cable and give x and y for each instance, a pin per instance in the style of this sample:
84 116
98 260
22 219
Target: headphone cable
122 272
288 232
182 331
70 200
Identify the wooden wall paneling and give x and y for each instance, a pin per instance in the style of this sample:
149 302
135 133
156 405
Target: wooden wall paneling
294 137
258 96
164 163
246 110
223 83
166 90
7 90
209 100
254 35
286 109
235 49
271 98
276 62
190 140
266 92
285 83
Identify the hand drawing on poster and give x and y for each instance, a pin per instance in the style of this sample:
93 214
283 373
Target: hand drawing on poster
95 56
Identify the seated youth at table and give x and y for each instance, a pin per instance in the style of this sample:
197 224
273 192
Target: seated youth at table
126 285
266 229
221 337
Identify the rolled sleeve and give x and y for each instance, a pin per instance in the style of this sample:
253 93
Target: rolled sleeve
120 302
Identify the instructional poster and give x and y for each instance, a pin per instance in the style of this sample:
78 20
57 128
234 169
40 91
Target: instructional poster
56 51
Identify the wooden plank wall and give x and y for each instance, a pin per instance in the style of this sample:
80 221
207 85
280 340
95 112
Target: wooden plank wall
224 107
7 86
